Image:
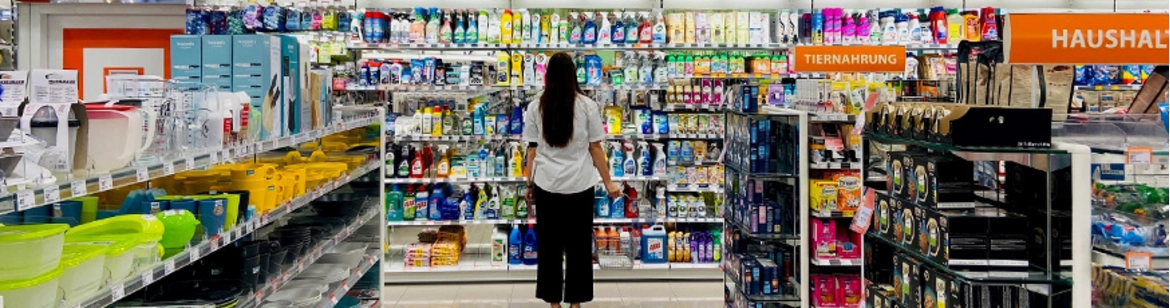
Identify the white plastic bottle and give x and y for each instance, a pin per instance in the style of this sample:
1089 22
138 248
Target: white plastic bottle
605 30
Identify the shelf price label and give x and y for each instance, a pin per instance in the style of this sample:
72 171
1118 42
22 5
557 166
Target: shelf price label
118 291
52 193
1137 260
105 182
147 277
142 174
168 168
169 267
189 162
1139 155
78 188
25 200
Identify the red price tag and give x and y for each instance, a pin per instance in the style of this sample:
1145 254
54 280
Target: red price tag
861 218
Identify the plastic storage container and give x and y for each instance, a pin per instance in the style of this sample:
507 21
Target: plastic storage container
83 268
30 250
38 292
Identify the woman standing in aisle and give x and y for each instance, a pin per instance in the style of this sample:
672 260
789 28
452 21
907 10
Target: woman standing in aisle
565 161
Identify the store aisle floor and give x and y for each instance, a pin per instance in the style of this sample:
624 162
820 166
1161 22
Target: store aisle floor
606 294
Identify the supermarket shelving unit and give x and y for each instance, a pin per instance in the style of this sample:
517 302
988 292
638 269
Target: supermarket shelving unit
115 291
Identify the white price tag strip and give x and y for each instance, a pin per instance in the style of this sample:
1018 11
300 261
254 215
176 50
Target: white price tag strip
105 182
169 267
147 277
25 200
118 291
78 188
52 193
142 174
168 168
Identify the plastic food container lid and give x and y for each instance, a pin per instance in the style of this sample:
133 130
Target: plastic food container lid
22 233
73 254
21 284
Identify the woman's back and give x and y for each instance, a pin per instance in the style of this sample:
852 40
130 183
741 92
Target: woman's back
566 169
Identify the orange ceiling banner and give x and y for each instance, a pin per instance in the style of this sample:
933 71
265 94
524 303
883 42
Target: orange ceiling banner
1087 38
847 59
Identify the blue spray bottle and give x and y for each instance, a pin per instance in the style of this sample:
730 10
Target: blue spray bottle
618 208
601 202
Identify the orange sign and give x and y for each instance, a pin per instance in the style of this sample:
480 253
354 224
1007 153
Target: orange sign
1071 38
848 59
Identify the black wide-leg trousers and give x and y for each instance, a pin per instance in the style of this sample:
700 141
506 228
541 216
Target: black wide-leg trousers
565 226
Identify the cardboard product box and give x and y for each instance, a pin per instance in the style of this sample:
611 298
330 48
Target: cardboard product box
879 296
1008 235
967 126
960 295
882 215
956 238
187 58
217 61
935 288
1060 234
912 224
769 277
897 220
907 280
897 163
944 181
256 71
294 58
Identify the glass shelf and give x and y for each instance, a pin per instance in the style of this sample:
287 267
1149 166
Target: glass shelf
979 277
790 239
883 138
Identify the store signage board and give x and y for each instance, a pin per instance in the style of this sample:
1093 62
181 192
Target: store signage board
1086 38
849 59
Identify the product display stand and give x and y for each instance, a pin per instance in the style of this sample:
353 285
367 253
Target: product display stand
766 235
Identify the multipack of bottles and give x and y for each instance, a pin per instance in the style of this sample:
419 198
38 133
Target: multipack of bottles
554 27
441 161
272 18
441 201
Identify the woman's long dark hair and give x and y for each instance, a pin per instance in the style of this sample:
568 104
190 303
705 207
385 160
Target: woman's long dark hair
559 100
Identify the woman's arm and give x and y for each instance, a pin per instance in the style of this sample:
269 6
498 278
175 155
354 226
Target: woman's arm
530 166
598 155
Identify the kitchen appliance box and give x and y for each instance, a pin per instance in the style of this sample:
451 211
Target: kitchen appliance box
295 74
256 71
217 61
187 58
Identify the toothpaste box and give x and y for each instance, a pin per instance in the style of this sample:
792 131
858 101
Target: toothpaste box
256 72
217 61
187 58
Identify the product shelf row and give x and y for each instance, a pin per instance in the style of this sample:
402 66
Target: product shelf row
288 275
505 180
482 263
1024 275
28 198
472 138
533 221
114 292
639 46
605 87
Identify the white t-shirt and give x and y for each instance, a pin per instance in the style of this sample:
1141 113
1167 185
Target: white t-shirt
569 169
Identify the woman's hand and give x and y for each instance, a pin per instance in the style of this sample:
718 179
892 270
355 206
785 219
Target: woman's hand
613 189
530 194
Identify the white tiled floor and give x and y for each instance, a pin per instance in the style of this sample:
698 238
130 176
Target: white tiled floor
650 295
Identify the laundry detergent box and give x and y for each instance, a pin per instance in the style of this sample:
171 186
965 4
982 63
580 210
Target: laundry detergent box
255 71
187 58
217 61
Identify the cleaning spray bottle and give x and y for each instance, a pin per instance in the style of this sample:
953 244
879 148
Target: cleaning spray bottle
446 30
605 31
421 198
433 25
589 29
443 168
659 168
646 29
632 203
460 32
436 199
618 31
575 30
616 159
644 161
481 202
631 28
617 207
418 27
660 203
658 33
629 165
